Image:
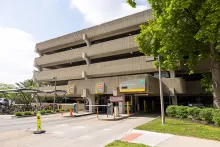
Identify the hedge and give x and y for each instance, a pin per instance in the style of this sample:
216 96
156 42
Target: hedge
57 110
193 113
48 111
18 113
206 114
27 113
209 115
216 117
42 111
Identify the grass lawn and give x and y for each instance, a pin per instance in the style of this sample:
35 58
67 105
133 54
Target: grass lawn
118 143
183 128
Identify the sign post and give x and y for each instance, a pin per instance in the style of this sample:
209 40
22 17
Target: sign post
39 129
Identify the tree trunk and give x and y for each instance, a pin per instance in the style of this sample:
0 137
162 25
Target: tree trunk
215 70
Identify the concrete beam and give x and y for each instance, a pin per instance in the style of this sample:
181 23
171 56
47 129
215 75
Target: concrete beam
85 57
84 75
86 39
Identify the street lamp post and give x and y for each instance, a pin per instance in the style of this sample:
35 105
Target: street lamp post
55 88
161 93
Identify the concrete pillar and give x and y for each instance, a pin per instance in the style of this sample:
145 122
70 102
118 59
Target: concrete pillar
174 100
91 99
122 105
172 74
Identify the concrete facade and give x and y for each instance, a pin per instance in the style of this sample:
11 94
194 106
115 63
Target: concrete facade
106 53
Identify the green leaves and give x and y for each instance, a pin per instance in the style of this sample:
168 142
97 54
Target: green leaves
206 82
132 3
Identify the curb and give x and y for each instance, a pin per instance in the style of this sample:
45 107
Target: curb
80 115
115 119
46 114
119 118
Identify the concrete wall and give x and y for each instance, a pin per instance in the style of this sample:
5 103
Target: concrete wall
110 83
96 32
111 68
109 48
177 83
152 84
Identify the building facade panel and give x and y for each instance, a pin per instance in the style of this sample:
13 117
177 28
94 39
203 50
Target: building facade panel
96 31
110 68
109 48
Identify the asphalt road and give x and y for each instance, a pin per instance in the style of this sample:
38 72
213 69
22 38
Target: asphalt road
65 132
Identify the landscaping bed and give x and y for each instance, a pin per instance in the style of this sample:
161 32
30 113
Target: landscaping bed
188 121
118 143
42 112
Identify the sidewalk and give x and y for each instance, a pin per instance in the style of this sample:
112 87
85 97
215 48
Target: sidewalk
167 140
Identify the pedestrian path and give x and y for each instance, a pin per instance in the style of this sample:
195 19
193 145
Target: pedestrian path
167 140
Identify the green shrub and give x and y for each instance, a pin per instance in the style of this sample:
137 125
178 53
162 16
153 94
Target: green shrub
67 109
57 110
62 110
18 113
181 112
216 117
171 110
27 113
206 114
42 111
193 113
48 111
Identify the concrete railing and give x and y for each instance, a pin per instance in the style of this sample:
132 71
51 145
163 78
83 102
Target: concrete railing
116 67
109 48
96 32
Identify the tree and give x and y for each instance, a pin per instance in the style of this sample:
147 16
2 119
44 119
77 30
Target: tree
29 83
184 28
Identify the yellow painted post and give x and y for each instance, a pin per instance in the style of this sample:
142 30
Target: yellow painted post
145 110
128 107
38 121
78 105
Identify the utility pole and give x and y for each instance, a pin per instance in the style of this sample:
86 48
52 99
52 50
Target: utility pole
161 93
55 89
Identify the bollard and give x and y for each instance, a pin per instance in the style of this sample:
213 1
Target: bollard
71 112
97 113
128 108
39 129
145 110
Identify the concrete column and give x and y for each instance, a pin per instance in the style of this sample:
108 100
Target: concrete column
91 99
122 105
172 74
174 100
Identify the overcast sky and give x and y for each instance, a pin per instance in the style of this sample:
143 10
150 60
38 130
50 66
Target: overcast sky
23 23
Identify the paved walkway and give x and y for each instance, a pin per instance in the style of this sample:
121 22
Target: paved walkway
167 140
